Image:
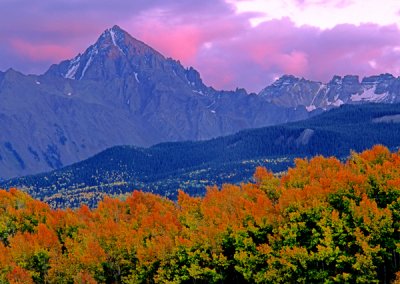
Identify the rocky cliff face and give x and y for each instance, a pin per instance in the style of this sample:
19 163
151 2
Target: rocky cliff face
290 91
119 91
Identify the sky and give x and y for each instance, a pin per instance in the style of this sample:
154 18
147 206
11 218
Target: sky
232 43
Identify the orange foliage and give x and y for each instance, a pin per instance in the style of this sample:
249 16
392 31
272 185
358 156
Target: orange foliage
271 224
19 276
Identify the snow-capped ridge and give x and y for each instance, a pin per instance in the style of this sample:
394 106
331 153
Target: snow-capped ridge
73 67
291 91
112 34
114 31
114 54
79 65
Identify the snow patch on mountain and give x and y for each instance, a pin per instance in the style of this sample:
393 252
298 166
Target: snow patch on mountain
310 108
92 53
337 103
369 95
112 34
114 39
136 77
86 66
198 92
73 67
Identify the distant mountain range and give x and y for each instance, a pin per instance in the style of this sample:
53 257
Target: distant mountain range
191 166
119 91
289 91
122 92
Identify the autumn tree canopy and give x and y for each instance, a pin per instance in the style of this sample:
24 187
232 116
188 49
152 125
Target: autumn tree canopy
323 221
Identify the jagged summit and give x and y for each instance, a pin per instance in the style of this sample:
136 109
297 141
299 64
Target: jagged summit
114 36
292 91
285 80
114 54
118 38
121 91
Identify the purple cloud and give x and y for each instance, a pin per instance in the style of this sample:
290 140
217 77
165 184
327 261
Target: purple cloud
208 35
255 56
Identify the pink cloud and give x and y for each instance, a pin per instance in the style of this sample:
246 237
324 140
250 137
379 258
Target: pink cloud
208 35
180 42
183 37
295 62
279 47
39 52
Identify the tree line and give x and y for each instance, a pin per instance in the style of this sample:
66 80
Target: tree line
323 221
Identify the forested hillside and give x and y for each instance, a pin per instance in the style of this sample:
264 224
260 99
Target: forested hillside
191 166
323 221
119 91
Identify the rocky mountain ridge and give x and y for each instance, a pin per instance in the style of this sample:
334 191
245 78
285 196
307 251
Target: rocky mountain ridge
119 91
290 91
191 166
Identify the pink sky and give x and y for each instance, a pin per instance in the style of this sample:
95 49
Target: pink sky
232 43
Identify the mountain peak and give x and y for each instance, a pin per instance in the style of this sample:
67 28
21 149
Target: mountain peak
114 50
285 80
114 36
116 28
336 79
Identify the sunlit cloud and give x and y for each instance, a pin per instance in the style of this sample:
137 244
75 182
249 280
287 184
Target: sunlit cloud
322 13
38 52
232 43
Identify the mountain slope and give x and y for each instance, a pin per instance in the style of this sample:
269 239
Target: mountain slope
290 91
191 166
119 91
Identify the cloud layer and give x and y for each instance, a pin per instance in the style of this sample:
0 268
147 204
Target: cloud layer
211 35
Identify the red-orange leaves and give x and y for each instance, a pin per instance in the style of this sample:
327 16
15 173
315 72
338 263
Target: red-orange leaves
323 221
19 276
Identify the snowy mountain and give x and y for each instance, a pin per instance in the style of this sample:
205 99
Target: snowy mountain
290 91
119 91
